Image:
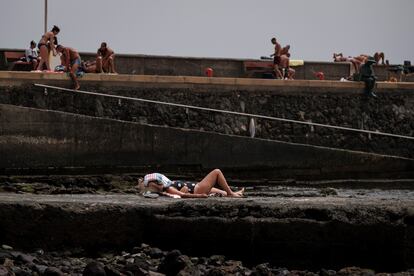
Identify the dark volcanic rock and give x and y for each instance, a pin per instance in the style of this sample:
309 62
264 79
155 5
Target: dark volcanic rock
94 269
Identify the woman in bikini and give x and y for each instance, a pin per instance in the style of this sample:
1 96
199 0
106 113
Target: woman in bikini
159 183
46 44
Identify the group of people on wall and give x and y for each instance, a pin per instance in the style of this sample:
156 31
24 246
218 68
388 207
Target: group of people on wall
70 58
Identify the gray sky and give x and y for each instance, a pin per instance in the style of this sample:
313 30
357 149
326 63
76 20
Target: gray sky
218 28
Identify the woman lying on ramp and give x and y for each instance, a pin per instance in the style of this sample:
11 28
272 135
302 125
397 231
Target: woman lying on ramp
159 183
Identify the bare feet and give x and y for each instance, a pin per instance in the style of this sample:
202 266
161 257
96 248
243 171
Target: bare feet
237 194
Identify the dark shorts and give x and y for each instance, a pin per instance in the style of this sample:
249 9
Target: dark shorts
178 184
41 44
277 60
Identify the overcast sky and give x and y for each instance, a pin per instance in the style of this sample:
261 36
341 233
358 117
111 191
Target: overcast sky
218 28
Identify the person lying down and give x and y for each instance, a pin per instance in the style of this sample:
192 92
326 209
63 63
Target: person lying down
160 184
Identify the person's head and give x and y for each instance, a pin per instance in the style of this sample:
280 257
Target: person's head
153 187
370 61
32 44
103 46
273 40
55 29
60 48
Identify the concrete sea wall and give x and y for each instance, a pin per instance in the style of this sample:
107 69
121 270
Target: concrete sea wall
333 103
306 233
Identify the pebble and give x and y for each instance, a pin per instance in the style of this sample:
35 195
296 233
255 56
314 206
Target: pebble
6 247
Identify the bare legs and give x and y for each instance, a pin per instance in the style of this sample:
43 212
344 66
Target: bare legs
72 75
108 65
44 58
206 185
99 65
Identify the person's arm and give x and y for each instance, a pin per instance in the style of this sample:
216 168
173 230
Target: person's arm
67 59
28 54
109 53
52 44
174 191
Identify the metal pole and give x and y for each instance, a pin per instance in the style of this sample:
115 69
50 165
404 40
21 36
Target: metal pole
45 16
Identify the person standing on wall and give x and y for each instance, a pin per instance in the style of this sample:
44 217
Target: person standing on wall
46 44
277 58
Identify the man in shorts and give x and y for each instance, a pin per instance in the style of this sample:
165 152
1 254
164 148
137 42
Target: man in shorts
277 58
71 60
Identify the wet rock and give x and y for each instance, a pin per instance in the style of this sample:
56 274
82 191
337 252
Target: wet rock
25 258
4 271
40 269
325 272
262 270
217 259
355 271
174 262
21 272
53 271
135 270
216 271
111 271
328 192
155 252
94 269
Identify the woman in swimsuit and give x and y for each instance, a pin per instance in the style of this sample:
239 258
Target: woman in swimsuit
159 183
47 43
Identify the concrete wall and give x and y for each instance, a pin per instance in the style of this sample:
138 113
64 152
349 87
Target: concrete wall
309 233
334 103
36 140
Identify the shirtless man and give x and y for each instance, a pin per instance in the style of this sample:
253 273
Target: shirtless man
277 58
71 60
105 57
46 44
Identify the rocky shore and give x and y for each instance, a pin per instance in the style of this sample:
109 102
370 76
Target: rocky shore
66 212
146 260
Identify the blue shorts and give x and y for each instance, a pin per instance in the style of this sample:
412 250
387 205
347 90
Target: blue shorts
76 61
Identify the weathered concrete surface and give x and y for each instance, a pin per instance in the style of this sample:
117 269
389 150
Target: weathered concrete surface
296 232
32 139
325 102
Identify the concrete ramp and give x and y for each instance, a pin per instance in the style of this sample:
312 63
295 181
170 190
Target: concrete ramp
32 140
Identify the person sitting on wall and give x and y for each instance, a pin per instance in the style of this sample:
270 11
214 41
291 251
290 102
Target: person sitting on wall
159 183
94 66
288 73
106 57
71 61
366 74
31 55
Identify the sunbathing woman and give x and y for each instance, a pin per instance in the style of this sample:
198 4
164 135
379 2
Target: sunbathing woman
46 44
159 183
356 61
